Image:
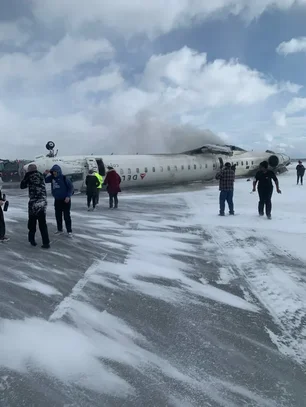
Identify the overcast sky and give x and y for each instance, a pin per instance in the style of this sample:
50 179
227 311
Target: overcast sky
137 76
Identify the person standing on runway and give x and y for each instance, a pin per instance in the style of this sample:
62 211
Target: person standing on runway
100 178
62 190
300 171
3 237
226 179
37 206
264 179
112 180
92 184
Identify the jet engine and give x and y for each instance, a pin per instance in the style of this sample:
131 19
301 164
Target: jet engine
273 161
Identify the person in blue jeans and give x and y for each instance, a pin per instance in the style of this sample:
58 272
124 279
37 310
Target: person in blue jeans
62 190
226 179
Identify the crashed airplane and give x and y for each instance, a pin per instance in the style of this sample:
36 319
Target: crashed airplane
200 164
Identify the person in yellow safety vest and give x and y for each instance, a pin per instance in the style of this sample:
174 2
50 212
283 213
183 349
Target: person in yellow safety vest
100 178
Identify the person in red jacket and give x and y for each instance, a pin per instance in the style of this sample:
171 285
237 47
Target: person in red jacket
112 181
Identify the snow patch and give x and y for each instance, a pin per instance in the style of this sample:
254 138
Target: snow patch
34 285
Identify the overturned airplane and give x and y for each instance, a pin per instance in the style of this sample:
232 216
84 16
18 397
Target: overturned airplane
200 164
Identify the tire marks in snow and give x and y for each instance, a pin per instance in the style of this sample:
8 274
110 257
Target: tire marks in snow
274 278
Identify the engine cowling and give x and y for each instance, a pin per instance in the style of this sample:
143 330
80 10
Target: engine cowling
273 161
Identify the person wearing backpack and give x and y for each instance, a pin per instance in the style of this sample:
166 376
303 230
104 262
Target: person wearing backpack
62 190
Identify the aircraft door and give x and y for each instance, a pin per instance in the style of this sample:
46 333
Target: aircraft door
101 167
221 163
91 164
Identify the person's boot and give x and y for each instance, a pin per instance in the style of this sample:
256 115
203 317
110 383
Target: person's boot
45 246
33 243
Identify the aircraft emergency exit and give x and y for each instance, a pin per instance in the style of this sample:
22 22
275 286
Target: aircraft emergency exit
201 164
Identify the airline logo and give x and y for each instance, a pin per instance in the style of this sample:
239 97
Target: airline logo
142 175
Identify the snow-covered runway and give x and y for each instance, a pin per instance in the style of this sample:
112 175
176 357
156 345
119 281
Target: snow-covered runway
161 303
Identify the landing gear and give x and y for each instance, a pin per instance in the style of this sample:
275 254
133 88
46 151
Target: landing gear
50 147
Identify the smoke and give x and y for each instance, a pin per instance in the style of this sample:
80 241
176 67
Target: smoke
150 135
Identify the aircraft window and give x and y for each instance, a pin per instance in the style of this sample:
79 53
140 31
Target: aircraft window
137 170
121 171
252 162
214 165
195 167
153 169
188 167
237 163
146 169
175 167
206 166
76 177
182 167
241 162
168 168
247 163
129 171
161 169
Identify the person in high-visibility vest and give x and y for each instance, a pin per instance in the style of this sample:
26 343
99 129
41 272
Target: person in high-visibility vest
100 178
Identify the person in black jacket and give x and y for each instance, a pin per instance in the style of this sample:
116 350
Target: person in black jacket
3 238
264 179
92 184
37 206
300 171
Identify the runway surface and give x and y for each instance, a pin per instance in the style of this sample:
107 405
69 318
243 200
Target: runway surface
159 303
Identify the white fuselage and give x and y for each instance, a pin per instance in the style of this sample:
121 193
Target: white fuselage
149 170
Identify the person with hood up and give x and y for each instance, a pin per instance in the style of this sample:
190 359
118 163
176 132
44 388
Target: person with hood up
112 181
92 184
37 206
62 190
264 179
226 179
300 171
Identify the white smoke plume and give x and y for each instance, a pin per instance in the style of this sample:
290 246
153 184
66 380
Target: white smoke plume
148 134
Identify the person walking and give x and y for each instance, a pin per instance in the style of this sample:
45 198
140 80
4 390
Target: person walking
112 181
264 179
300 171
3 237
100 179
62 190
92 183
37 206
226 179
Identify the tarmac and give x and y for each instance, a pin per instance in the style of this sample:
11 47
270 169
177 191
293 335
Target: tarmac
93 321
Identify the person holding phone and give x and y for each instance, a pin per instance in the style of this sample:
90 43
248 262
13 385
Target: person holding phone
3 237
